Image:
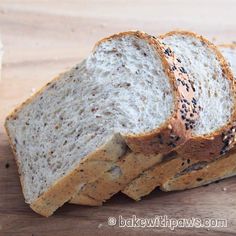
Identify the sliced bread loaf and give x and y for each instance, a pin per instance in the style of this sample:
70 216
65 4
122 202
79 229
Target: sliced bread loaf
203 173
132 164
78 126
214 133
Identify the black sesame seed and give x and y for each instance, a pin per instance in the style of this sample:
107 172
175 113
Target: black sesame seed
186 126
173 68
183 70
178 60
194 101
168 51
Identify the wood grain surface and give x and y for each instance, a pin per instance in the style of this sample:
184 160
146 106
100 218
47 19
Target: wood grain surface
43 38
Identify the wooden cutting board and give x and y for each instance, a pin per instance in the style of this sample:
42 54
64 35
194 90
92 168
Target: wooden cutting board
43 38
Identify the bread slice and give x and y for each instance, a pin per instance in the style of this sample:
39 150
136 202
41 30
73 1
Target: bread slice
204 173
78 126
214 134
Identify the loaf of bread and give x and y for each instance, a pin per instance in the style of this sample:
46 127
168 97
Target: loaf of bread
214 133
125 96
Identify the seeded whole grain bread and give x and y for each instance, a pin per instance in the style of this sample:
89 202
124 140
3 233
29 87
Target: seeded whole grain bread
132 164
211 143
142 186
79 125
203 173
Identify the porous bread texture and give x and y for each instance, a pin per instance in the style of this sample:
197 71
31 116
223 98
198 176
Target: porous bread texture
156 175
64 136
205 71
229 52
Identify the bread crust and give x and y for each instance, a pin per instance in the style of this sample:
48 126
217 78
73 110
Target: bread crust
83 199
128 167
219 142
216 170
172 133
155 176
227 45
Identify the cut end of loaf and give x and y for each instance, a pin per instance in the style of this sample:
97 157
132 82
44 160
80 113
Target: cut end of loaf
213 87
